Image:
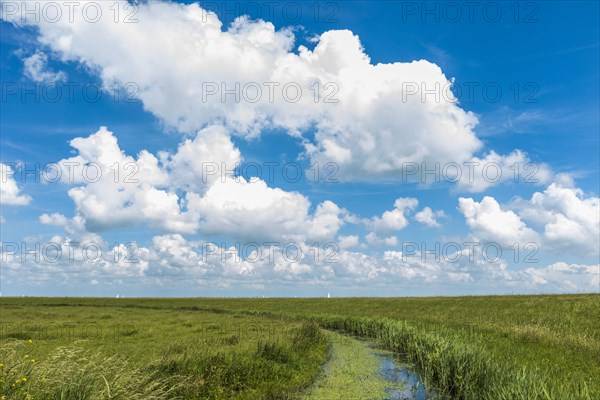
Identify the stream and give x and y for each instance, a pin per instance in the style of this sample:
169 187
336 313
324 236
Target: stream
395 371
360 370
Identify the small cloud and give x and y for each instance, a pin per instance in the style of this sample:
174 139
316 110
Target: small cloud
53 219
374 240
393 220
347 242
36 69
10 193
429 217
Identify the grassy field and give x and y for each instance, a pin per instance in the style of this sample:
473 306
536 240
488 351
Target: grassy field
134 353
500 347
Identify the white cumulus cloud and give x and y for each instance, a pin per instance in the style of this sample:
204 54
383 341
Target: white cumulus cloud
10 193
481 173
570 219
56 219
176 193
489 222
36 69
369 118
394 220
429 217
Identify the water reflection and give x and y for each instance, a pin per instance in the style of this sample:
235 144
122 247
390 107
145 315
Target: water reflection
395 371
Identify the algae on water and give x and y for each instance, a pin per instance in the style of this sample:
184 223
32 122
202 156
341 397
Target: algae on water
353 372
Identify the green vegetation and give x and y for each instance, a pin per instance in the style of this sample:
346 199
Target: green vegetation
493 347
351 373
133 353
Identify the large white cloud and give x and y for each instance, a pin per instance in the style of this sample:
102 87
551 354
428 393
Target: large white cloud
119 190
566 218
570 218
378 127
253 210
179 194
489 222
370 120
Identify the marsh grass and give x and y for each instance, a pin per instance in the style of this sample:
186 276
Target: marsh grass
157 354
461 369
73 372
488 347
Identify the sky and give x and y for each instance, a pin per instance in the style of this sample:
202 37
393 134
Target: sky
277 149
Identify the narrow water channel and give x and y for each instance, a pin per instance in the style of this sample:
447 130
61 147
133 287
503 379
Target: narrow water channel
397 372
359 370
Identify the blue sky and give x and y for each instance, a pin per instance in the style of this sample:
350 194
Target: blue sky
533 69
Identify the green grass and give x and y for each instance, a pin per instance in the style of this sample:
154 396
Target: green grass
132 353
489 347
